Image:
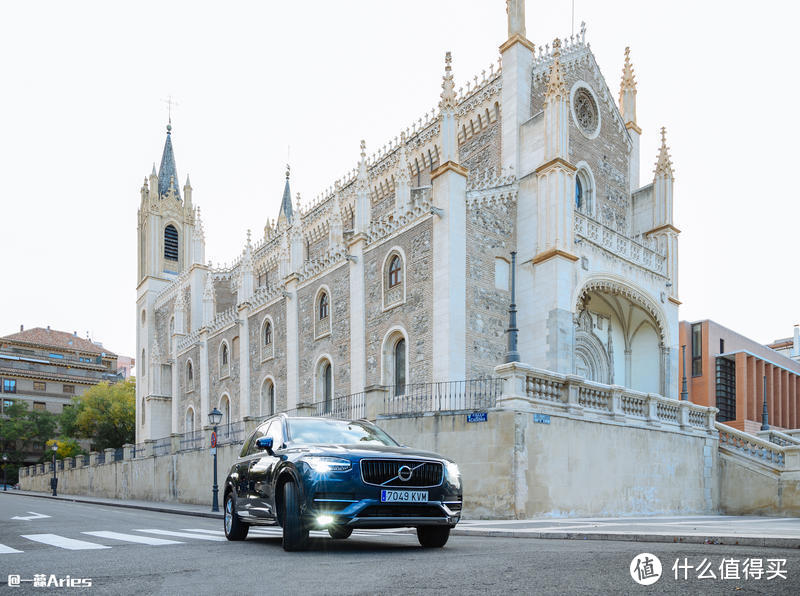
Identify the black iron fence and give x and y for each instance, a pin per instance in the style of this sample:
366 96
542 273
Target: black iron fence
230 433
351 407
192 440
138 450
162 446
414 398
101 457
118 454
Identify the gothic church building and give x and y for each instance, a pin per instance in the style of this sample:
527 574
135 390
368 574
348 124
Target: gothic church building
400 273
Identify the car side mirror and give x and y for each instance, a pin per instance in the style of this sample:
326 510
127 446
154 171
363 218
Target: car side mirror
265 444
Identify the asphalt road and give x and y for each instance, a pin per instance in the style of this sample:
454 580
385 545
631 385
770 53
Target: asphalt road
188 555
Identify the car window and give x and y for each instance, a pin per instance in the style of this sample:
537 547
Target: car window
276 432
246 446
261 431
324 431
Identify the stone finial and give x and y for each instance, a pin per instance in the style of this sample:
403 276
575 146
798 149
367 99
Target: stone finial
628 79
288 170
208 291
198 226
448 86
556 85
515 9
664 162
188 184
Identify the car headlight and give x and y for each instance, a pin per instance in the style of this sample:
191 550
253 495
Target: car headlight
452 470
323 465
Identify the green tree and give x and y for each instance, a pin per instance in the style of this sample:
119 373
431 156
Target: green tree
106 414
19 427
67 447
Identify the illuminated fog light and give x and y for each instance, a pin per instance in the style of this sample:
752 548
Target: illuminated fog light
324 520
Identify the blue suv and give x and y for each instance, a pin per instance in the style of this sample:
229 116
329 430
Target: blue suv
336 475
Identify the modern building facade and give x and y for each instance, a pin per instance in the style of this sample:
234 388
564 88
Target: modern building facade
729 371
46 368
400 272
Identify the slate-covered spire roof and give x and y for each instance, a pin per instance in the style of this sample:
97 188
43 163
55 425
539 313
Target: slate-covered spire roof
286 203
168 173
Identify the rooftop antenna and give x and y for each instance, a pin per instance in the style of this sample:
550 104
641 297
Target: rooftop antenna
170 102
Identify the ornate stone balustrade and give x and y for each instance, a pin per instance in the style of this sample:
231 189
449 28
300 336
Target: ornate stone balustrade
529 388
778 438
189 340
754 448
420 207
223 319
619 245
171 290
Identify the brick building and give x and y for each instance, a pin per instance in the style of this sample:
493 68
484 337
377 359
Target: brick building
727 370
400 272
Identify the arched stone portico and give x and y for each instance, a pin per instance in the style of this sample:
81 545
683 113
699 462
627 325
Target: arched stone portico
621 337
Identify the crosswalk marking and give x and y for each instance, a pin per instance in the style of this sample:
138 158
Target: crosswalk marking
63 542
7 550
181 534
132 538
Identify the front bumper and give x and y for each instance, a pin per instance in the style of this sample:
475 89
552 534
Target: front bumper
371 513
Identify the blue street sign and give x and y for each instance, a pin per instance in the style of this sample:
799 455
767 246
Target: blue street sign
541 418
477 417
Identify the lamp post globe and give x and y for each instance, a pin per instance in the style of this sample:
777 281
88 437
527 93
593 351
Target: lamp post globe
214 418
54 481
5 460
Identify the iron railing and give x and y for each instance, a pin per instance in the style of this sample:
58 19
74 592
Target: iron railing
119 453
230 433
192 440
138 450
86 460
101 457
351 407
472 394
60 464
162 446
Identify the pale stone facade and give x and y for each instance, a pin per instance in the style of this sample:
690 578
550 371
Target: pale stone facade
534 156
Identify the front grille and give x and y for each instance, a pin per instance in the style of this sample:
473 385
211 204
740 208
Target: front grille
384 472
401 511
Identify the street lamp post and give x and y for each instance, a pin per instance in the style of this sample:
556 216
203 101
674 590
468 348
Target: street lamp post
764 412
214 418
684 392
513 353
5 464
54 481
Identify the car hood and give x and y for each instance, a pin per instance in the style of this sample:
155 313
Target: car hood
362 451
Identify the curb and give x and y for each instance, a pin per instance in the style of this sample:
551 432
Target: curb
159 509
768 542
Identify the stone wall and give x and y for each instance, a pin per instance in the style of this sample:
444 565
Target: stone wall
266 364
492 234
413 315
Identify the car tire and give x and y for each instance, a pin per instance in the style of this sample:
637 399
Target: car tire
295 536
433 536
235 529
340 532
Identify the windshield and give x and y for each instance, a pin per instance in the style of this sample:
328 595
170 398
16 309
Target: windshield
321 431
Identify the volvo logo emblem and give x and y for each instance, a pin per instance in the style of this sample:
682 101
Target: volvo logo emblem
404 473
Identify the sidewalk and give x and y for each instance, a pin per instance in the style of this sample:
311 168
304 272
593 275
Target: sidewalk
781 532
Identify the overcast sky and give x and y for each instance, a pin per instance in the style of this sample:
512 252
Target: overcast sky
82 121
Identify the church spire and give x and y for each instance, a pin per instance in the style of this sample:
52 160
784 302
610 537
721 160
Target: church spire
168 173
555 109
447 108
286 213
664 162
627 90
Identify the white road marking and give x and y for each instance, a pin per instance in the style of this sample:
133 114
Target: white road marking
33 515
181 534
7 550
63 542
132 538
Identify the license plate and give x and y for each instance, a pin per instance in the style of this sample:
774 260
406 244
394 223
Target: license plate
404 496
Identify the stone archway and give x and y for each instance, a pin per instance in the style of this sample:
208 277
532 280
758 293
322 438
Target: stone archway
621 328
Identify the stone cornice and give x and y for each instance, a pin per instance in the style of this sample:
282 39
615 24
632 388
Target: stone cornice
517 38
549 254
663 228
553 163
632 126
449 166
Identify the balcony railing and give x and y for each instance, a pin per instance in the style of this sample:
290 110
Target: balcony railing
192 440
230 433
162 446
350 407
412 398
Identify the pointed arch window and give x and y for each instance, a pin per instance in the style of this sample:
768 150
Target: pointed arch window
171 243
268 397
395 265
143 409
189 376
268 334
189 423
578 194
327 386
323 306
400 366
224 360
